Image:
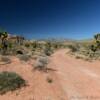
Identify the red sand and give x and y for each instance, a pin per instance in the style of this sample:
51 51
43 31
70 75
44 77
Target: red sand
73 79
38 87
79 79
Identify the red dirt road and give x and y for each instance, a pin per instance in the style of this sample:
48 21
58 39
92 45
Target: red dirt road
79 79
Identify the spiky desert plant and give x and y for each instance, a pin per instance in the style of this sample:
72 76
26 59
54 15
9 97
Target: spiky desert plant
96 45
4 41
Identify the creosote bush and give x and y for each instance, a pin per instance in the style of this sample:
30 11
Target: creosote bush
19 52
48 52
49 80
73 48
41 63
24 57
10 81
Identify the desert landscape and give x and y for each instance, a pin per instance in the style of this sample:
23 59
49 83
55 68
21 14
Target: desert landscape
49 70
49 49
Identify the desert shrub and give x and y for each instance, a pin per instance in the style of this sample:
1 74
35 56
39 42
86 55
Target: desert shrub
48 44
48 51
24 57
10 81
73 48
34 44
93 48
41 63
56 45
49 80
27 45
87 50
96 46
10 45
19 52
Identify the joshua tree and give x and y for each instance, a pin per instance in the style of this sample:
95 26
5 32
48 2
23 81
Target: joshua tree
97 37
96 45
20 40
4 41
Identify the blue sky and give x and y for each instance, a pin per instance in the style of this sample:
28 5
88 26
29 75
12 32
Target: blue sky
74 19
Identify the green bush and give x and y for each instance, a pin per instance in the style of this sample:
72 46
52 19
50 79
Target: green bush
10 81
73 48
48 51
10 45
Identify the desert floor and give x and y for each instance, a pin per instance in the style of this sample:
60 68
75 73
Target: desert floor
72 79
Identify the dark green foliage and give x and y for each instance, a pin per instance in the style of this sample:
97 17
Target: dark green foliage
4 41
48 49
93 48
27 45
19 52
34 44
10 45
49 80
48 52
10 81
96 46
73 48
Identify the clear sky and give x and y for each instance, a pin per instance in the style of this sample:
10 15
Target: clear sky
76 19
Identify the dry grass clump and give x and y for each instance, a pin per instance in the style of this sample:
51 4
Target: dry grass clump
4 60
41 63
74 47
48 51
24 57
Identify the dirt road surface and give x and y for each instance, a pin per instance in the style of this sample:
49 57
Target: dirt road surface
79 79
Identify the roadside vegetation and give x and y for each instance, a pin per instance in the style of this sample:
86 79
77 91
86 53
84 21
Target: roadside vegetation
25 49
39 51
87 50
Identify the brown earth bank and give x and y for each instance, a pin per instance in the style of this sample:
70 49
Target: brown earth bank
72 79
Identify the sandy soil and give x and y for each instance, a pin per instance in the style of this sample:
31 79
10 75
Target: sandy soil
37 87
79 79
73 79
